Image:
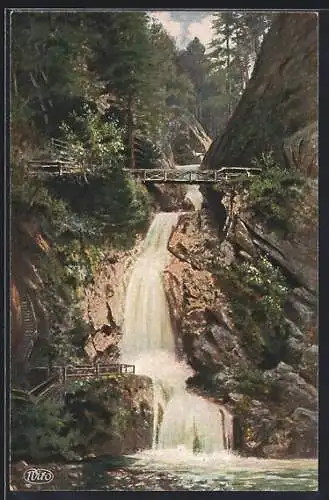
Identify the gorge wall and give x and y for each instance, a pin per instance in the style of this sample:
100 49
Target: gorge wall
230 259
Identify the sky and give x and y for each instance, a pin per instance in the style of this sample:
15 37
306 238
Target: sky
185 25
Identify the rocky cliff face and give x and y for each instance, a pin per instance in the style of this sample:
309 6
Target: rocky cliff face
271 403
278 110
243 292
103 303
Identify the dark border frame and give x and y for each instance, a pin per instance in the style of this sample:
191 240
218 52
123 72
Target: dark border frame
323 259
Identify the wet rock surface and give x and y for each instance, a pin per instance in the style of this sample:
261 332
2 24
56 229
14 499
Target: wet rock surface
103 300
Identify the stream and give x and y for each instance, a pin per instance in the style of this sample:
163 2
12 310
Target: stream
179 469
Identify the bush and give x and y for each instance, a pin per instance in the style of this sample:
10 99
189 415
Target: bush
273 193
42 431
93 140
101 410
257 294
110 204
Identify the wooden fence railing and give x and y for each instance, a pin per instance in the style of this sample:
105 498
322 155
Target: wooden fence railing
191 176
58 375
83 371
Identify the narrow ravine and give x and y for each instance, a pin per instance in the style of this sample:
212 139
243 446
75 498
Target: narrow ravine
181 419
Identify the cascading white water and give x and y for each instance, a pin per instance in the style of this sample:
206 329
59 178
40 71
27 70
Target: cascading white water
180 418
192 421
147 324
193 193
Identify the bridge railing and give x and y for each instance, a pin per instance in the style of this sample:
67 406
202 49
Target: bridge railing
192 176
84 371
97 370
58 375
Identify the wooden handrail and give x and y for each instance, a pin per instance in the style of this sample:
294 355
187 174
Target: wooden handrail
97 369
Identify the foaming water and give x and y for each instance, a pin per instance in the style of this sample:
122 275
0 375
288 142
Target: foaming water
193 422
146 316
194 195
193 192
180 418
217 460
178 468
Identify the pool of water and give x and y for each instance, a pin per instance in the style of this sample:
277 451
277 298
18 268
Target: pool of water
172 470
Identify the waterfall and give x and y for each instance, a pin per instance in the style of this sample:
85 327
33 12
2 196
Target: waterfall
180 418
192 190
147 324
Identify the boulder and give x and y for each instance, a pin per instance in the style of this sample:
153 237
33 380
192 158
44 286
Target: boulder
303 436
309 364
103 342
114 416
292 389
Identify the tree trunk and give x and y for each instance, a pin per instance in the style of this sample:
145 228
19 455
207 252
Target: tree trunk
131 133
43 108
228 76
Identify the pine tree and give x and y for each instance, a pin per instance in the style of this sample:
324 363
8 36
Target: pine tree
238 36
121 57
195 64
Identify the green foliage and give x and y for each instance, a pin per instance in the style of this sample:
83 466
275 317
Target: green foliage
42 431
147 154
253 383
273 193
48 66
30 195
109 209
101 410
257 294
93 141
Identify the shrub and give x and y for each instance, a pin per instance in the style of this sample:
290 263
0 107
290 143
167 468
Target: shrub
273 193
101 410
93 140
42 431
257 294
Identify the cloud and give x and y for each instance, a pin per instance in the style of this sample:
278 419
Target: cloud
184 31
201 29
174 28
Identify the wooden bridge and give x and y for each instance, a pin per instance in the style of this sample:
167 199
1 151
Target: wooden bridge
191 176
57 376
59 161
